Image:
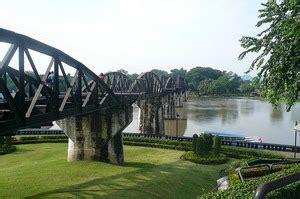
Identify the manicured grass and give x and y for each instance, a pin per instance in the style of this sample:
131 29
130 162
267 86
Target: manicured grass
41 170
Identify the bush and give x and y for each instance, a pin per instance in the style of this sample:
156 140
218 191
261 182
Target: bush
217 144
279 167
255 171
241 153
245 190
256 161
194 142
200 149
233 178
204 159
208 141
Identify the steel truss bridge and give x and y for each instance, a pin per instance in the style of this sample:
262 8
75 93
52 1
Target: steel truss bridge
37 102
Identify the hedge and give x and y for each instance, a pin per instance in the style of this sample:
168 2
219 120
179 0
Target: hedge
204 159
256 161
233 178
241 153
251 172
246 190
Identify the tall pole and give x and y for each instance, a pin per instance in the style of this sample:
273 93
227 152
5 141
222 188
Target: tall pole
295 141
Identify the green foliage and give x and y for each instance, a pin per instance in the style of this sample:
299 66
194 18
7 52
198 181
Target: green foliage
279 167
250 172
160 72
217 144
268 161
227 83
194 142
178 72
208 142
201 148
204 159
245 190
204 87
247 87
241 153
279 51
233 178
198 74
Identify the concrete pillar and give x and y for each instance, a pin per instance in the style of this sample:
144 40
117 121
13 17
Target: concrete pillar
179 99
169 106
185 96
97 135
151 116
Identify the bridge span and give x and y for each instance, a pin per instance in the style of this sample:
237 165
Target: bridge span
91 110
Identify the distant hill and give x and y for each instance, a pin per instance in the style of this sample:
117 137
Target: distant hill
247 77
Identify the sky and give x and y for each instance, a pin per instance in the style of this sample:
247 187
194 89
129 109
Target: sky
139 35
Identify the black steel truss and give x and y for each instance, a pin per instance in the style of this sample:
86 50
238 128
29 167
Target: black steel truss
38 101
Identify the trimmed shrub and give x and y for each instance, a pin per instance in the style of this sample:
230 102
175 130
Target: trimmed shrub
279 167
217 144
256 161
201 148
255 171
208 141
204 159
194 143
234 178
241 153
245 190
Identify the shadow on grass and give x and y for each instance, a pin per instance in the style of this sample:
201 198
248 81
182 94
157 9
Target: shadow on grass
149 181
137 165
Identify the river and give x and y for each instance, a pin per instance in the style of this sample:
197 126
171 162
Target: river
245 116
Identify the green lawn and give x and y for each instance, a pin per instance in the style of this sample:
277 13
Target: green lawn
41 170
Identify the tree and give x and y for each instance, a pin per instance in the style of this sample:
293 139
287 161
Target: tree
198 74
133 75
247 87
125 72
204 87
278 47
178 72
160 72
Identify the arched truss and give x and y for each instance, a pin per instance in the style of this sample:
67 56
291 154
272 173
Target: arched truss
148 84
121 85
170 84
37 102
181 83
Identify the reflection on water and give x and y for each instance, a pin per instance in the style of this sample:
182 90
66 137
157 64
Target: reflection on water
245 116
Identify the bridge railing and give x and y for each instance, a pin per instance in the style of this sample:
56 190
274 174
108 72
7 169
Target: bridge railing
257 145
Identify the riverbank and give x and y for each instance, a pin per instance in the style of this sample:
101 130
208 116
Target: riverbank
41 170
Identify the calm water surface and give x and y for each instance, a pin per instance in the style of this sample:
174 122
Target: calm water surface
248 117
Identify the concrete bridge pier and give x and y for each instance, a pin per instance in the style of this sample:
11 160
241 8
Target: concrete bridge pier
185 96
169 107
151 116
179 99
97 135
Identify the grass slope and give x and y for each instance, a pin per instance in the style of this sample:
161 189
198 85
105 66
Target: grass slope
41 170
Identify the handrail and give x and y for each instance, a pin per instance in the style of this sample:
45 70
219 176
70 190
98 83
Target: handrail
264 189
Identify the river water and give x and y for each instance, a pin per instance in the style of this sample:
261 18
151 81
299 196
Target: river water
244 116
